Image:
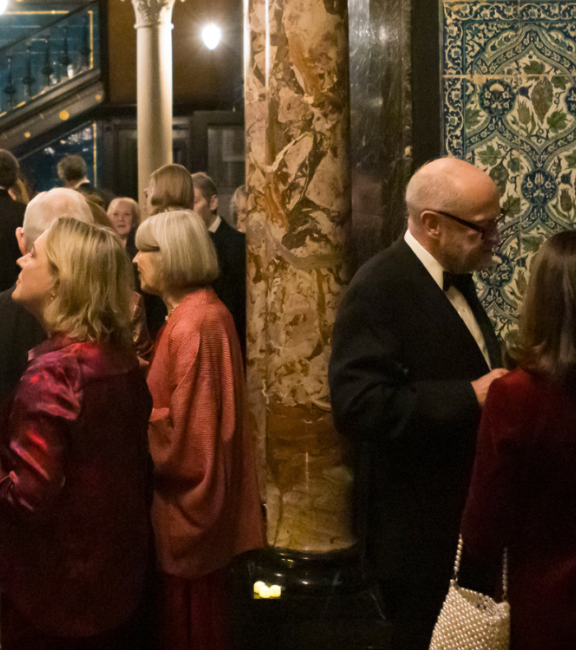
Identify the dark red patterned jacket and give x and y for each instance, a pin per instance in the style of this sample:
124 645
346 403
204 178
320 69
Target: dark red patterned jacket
74 521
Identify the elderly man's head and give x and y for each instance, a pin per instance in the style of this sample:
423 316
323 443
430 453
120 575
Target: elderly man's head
453 209
45 208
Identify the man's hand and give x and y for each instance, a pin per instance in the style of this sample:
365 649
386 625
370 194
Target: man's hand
482 385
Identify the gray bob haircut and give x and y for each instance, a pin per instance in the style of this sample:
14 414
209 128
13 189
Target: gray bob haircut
180 237
46 207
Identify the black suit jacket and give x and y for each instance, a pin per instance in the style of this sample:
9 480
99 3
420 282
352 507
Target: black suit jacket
19 333
400 374
11 217
230 286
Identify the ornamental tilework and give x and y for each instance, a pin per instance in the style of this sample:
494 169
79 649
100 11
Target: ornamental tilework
509 107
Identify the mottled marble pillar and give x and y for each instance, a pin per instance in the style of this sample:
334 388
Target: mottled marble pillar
297 134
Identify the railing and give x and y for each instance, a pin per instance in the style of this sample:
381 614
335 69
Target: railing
49 58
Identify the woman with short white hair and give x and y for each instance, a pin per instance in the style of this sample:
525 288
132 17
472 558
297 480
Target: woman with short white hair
206 507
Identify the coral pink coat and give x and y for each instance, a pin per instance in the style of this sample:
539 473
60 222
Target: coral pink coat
206 505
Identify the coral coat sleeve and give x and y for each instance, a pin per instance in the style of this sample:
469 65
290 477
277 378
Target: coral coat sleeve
188 453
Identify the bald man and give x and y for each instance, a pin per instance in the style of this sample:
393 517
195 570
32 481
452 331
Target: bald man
413 357
19 330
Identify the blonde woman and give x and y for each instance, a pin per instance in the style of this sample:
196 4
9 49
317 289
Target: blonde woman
170 187
73 454
206 507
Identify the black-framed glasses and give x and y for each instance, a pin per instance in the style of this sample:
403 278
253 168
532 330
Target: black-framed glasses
493 225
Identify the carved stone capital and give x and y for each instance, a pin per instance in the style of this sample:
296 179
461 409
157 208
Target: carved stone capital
153 12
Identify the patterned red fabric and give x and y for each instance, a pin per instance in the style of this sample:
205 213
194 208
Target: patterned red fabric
206 505
73 503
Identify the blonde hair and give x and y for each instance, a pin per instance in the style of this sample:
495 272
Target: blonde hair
93 283
171 186
133 205
188 257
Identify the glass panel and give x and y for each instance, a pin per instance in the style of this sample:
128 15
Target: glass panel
49 58
40 167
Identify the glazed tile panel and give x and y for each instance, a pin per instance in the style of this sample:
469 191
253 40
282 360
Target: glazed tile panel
509 107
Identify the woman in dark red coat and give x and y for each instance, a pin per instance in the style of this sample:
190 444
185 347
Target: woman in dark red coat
523 490
74 523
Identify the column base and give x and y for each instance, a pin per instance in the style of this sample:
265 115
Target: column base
325 603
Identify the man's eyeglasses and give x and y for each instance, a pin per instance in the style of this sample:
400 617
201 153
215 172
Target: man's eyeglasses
491 227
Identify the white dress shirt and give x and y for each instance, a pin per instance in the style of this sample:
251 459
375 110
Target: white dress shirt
214 225
457 300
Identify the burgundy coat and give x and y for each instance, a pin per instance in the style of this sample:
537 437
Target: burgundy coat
74 523
523 494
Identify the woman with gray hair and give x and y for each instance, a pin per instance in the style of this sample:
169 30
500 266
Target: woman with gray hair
206 507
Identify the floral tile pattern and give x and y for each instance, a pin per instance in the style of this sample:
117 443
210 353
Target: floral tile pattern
509 107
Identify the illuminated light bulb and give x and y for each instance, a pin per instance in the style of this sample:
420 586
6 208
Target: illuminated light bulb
257 586
211 35
264 592
275 591
3 6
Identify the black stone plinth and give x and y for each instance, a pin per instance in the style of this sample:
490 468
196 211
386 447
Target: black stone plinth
325 604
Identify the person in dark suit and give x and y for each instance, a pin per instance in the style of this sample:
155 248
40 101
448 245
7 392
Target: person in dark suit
523 488
413 356
19 330
230 246
11 217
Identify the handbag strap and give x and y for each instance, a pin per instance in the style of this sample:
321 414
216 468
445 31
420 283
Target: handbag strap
504 567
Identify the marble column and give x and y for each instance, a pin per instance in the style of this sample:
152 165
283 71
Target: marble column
297 136
154 101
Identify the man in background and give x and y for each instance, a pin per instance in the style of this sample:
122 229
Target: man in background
73 172
11 216
231 250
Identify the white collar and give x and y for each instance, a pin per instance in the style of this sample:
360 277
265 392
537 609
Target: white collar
214 225
431 264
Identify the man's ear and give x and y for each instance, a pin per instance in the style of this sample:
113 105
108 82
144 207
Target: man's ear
430 223
21 241
214 203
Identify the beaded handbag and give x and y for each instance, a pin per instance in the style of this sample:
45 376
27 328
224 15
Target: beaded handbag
471 621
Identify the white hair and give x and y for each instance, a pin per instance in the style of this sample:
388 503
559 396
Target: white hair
46 207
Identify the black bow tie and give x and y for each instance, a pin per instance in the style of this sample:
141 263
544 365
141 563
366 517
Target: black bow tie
462 281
